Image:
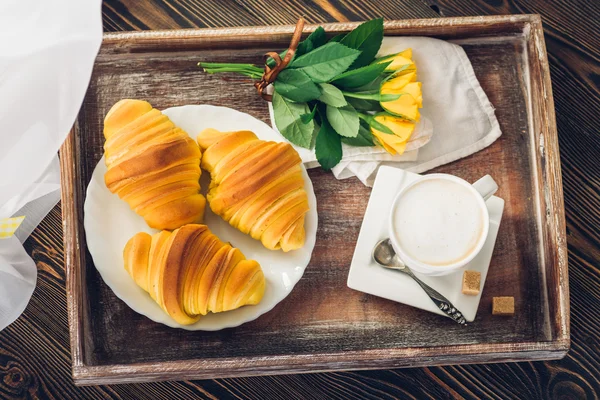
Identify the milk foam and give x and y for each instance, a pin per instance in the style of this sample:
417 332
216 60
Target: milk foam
438 222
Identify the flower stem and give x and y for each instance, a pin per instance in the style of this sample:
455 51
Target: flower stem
365 96
365 117
389 97
372 96
234 66
252 73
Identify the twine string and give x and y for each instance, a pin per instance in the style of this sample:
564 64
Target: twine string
270 74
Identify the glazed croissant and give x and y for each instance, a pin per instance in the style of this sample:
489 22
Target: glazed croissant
152 165
256 186
190 272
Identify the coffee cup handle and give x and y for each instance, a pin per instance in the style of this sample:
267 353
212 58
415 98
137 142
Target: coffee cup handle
486 187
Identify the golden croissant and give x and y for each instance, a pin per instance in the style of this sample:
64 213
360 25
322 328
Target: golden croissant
256 186
190 272
153 165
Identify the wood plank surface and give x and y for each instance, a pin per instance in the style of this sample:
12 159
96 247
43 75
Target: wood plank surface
34 351
343 329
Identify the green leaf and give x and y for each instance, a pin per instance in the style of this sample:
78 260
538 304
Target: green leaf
367 38
331 95
314 40
304 47
295 85
372 96
326 62
344 120
314 134
363 139
361 76
318 37
337 38
328 147
365 105
306 118
375 84
288 121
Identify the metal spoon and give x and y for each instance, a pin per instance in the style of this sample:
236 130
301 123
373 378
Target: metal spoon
384 255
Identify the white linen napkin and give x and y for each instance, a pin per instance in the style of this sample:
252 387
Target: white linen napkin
458 119
47 53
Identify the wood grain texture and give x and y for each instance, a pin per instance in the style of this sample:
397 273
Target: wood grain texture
34 351
344 329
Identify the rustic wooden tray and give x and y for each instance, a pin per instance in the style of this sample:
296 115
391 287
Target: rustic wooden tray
323 325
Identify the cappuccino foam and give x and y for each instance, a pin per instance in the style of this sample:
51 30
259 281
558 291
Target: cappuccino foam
438 222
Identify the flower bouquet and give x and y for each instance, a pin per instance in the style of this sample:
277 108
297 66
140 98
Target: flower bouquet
329 91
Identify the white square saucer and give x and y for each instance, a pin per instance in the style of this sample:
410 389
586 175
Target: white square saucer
366 276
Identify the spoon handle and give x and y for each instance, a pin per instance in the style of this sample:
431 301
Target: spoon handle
443 303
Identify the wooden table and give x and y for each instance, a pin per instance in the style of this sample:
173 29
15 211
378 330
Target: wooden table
35 359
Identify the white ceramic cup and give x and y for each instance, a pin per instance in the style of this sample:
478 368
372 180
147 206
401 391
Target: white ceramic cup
481 190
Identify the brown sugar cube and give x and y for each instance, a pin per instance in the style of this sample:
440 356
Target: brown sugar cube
471 283
503 305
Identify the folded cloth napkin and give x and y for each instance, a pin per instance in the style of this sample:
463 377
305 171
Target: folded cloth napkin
457 117
47 53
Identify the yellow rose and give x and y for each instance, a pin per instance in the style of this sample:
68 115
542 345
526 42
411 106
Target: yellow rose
398 60
409 102
401 132
395 83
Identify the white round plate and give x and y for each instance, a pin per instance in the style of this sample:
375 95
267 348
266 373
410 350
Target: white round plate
109 223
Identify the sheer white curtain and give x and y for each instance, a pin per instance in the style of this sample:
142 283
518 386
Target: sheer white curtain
47 50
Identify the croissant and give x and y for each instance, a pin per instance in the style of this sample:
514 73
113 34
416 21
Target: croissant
190 272
153 165
256 186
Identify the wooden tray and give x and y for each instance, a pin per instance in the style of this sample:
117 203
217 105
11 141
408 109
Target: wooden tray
323 325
